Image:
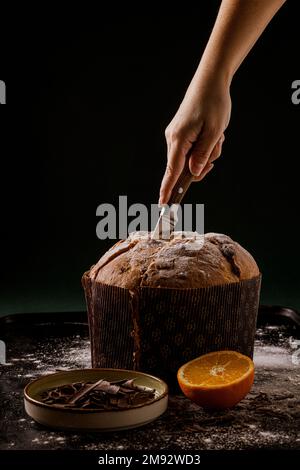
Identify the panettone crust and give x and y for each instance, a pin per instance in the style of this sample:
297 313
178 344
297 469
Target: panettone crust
185 261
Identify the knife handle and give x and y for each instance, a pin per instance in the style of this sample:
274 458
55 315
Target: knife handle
182 184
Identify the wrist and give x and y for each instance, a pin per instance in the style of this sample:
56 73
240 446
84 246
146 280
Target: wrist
214 75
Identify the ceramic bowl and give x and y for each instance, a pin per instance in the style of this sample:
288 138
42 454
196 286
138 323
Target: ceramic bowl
93 419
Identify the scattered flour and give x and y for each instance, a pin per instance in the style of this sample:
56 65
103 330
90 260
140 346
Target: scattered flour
273 357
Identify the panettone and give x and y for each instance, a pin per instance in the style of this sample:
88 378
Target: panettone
155 304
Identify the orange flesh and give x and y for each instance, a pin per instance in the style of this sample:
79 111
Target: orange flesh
218 369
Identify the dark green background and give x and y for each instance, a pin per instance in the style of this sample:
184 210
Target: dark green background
87 104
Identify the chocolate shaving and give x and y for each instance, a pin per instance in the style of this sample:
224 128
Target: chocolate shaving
141 388
102 394
107 387
84 391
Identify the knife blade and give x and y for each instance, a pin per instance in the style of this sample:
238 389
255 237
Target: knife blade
168 215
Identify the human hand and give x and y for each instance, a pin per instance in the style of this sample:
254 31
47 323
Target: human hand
197 127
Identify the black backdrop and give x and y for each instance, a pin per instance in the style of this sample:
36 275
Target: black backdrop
87 104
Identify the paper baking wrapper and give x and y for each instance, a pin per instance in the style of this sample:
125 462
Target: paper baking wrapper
157 330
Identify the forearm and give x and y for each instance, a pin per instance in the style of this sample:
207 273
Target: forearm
198 127
238 26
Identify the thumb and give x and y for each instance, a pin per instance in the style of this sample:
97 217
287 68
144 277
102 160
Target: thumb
202 150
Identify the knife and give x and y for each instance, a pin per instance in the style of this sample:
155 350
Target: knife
168 215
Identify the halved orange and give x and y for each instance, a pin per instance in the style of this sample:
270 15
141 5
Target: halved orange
217 380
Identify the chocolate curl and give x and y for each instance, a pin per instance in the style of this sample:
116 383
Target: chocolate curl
87 389
107 387
140 388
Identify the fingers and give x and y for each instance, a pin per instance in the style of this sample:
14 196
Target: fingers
206 170
205 151
176 160
213 156
216 153
202 150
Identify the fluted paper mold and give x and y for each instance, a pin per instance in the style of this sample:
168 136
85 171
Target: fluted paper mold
156 330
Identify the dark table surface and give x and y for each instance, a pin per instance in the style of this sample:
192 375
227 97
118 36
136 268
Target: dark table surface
269 417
